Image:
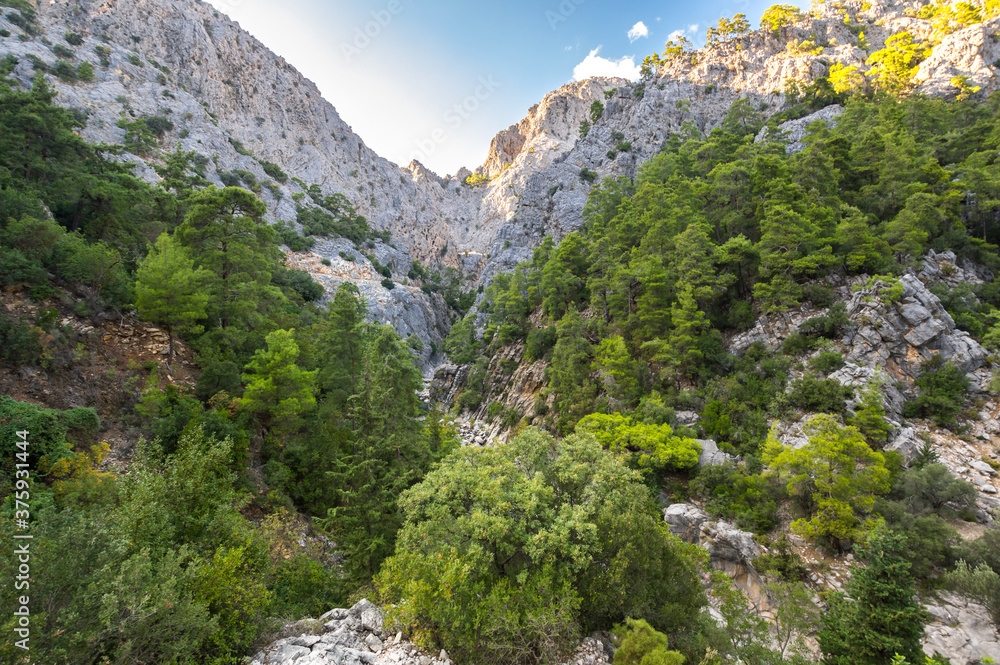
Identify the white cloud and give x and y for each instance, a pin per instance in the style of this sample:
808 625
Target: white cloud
690 32
594 65
638 31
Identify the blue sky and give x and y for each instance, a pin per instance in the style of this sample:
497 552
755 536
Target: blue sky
396 69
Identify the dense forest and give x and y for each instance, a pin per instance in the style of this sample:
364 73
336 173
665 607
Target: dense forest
305 413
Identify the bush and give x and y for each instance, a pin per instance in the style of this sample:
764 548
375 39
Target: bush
586 175
829 325
540 343
747 500
640 644
942 391
303 587
388 284
159 125
65 71
797 344
274 171
85 72
518 574
73 38
19 341
820 395
52 433
62 51
827 362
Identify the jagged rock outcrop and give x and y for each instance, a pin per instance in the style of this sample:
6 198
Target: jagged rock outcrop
900 336
356 636
793 131
896 337
729 549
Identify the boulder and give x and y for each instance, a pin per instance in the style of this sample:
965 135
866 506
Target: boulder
710 454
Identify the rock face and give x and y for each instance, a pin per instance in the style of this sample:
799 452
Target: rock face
900 336
729 549
793 131
961 630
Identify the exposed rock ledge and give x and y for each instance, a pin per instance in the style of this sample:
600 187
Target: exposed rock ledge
357 637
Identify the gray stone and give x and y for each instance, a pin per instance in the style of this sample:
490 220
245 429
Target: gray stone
685 521
914 313
373 642
925 332
710 454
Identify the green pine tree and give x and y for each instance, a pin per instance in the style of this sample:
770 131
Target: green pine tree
170 290
881 617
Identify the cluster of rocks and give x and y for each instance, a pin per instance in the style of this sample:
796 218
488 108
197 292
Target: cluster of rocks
357 636
901 335
474 433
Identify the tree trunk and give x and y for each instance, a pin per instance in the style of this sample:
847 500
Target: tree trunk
170 346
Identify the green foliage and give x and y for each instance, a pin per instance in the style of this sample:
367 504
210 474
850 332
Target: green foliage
640 644
596 111
869 417
837 475
274 171
881 617
578 532
169 290
820 395
827 362
749 500
777 17
277 389
894 67
828 325
650 445
52 433
477 180
942 390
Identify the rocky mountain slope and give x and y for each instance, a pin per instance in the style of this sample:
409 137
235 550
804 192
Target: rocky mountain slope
236 102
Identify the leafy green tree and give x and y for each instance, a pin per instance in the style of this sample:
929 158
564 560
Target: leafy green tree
569 374
619 373
563 519
942 391
869 417
796 617
170 290
652 445
836 473
690 327
981 583
881 617
277 388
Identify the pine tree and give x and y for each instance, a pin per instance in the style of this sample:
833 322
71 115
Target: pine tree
225 230
881 617
385 454
169 290
277 387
